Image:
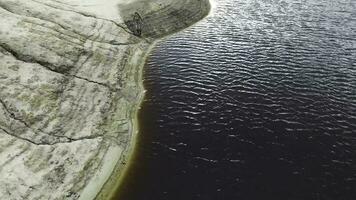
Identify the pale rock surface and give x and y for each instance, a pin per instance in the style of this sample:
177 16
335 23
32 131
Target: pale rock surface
70 83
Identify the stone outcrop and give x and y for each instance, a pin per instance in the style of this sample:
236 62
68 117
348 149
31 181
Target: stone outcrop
70 86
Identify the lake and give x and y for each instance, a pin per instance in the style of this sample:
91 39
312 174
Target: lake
257 101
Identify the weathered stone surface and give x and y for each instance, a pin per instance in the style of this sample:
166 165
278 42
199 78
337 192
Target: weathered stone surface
69 87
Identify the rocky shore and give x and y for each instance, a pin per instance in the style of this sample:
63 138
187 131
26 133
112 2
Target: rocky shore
70 88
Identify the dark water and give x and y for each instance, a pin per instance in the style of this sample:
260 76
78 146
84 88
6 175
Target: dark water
257 101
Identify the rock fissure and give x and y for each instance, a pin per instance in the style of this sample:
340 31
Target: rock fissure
30 59
50 67
87 15
13 115
67 28
68 139
112 89
18 137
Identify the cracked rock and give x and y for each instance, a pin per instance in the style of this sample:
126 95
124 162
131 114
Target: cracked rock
70 86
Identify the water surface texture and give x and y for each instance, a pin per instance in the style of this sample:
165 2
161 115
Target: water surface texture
255 102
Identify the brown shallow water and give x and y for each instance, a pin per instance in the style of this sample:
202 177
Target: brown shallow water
257 101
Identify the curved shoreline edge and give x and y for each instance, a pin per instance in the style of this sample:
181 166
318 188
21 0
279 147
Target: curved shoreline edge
123 163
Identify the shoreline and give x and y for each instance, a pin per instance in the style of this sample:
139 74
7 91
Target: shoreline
122 166
123 162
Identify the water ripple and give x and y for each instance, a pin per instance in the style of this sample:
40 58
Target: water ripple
258 101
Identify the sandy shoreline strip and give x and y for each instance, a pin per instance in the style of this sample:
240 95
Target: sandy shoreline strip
123 164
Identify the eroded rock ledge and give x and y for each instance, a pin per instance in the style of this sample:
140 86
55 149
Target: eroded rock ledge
69 87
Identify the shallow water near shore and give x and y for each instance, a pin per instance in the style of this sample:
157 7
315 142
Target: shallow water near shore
257 101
